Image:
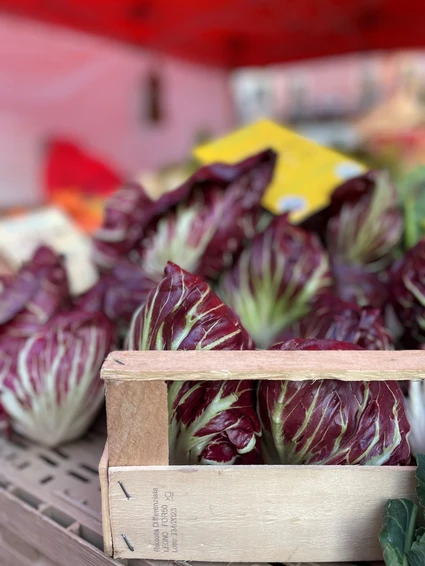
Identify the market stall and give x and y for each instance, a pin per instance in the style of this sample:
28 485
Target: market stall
272 245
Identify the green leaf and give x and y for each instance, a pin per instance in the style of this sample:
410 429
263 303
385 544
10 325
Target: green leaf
411 189
397 531
416 555
412 230
420 476
411 181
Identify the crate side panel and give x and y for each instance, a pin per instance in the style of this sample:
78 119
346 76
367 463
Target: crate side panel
137 421
253 514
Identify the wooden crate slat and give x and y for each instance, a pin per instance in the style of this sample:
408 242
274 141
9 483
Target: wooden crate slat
347 365
68 483
273 513
104 487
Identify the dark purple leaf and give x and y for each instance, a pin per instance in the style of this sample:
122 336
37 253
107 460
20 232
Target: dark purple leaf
118 294
407 294
356 284
182 313
34 295
127 212
201 225
212 422
333 319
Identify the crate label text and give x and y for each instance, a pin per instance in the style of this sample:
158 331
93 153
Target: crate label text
164 522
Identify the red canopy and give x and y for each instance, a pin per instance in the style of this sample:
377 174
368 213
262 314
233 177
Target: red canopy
233 33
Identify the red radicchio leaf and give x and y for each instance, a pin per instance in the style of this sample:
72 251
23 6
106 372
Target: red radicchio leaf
356 284
350 192
361 228
332 421
213 422
182 313
126 214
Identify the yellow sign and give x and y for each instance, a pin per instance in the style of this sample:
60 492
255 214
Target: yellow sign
306 172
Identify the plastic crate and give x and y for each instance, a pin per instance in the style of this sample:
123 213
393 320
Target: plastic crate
50 504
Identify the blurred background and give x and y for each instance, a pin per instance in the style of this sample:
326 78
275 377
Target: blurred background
92 93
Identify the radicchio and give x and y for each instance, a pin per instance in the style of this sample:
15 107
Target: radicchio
200 226
362 235
275 280
210 422
366 224
50 381
182 313
407 292
330 421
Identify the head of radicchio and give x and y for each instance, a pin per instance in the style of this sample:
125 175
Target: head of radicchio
201 225
34 295
366 224
50 381
211 422
275 279
407 294
328 421
333 319
361 228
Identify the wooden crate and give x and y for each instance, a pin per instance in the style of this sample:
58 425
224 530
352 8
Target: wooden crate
238 514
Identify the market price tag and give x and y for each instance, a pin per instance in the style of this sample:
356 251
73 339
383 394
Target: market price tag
306 172
21 235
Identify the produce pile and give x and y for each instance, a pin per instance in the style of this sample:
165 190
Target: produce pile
206 267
